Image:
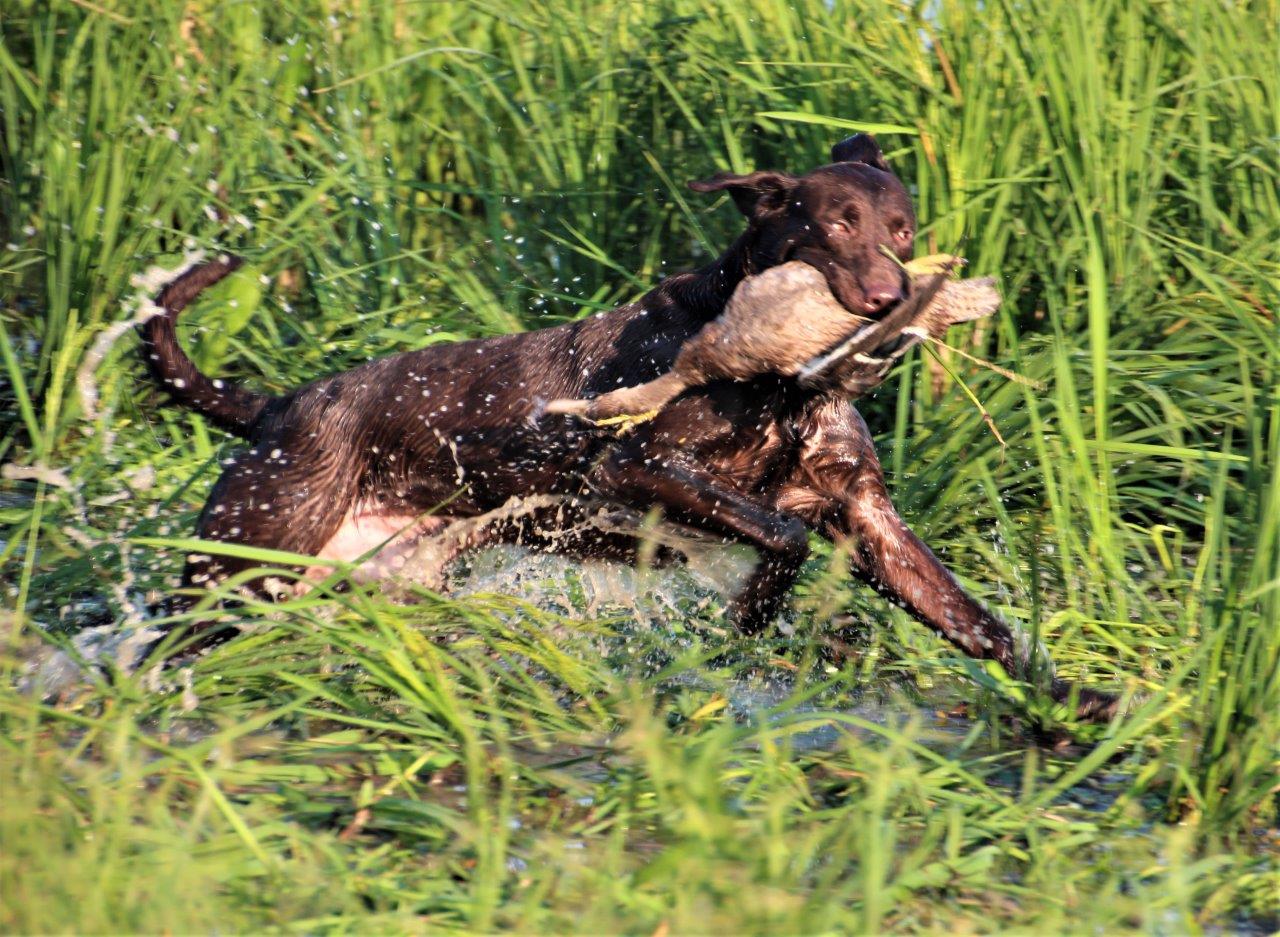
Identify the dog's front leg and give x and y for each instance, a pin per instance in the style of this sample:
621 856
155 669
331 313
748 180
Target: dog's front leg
691 495
839 487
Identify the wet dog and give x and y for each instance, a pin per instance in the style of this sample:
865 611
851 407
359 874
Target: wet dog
365 456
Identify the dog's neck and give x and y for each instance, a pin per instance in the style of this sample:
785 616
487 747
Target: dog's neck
706 291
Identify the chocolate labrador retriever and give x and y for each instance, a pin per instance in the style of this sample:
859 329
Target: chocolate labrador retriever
365 457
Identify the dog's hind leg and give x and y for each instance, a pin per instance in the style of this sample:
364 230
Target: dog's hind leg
289 497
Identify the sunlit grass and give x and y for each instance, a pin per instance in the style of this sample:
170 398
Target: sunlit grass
412 173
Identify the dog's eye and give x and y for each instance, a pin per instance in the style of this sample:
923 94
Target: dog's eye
904 235
841 227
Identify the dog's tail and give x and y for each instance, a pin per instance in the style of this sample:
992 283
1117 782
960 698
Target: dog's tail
232 408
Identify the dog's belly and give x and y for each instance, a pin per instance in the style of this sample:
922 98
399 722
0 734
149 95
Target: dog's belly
419 549
394 537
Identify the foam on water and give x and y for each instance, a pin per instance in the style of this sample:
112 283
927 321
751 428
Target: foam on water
596 587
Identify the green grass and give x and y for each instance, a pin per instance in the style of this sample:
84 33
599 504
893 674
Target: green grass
415 172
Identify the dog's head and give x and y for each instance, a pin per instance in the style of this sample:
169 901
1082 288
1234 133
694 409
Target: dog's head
840 218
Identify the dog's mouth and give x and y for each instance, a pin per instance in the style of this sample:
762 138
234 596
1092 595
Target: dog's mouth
873 300
861 293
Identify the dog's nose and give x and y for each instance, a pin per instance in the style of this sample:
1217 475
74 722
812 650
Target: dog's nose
881 298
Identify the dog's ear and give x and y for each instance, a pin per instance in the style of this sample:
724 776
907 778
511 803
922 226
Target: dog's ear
753 193
860 148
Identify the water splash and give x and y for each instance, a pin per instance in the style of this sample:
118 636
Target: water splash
140 307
